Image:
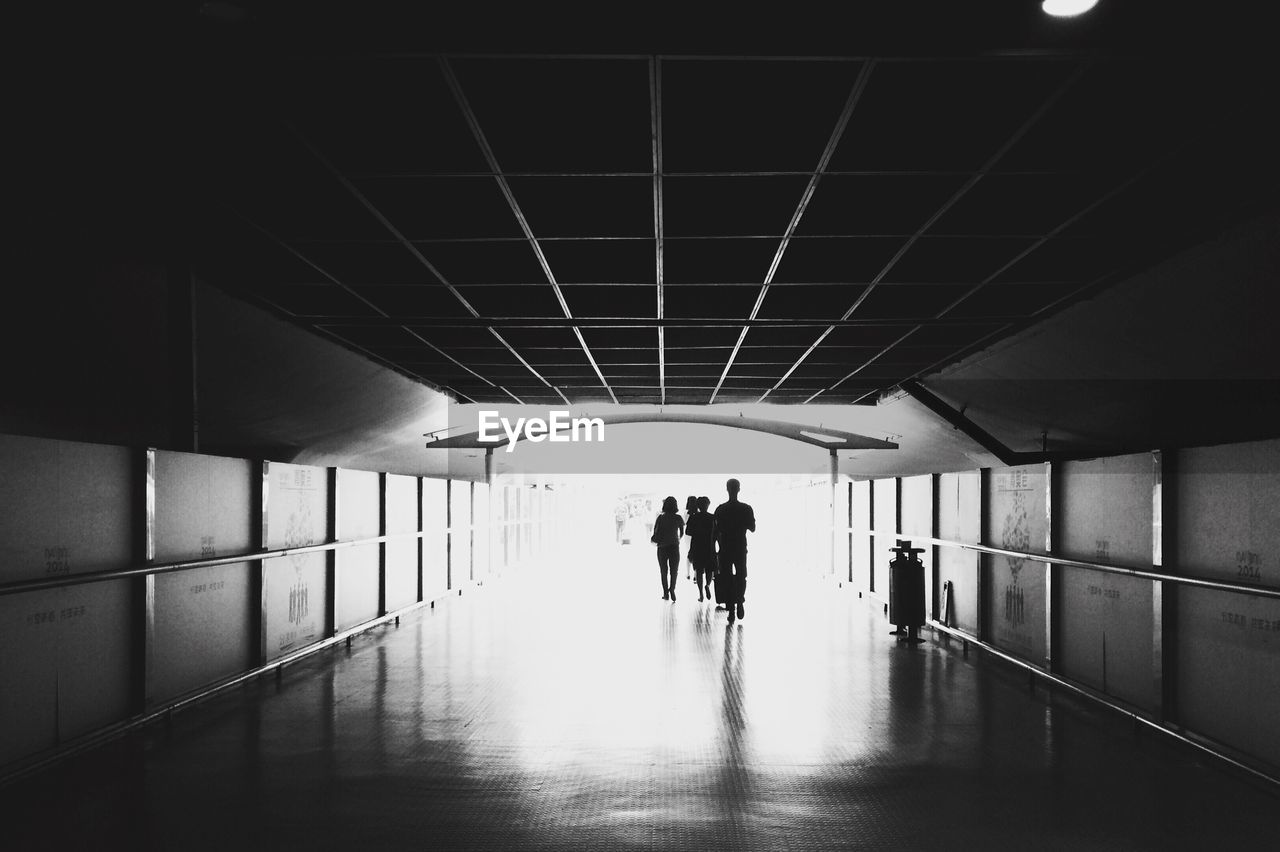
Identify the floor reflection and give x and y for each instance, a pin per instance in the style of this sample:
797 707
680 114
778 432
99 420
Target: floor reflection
570 707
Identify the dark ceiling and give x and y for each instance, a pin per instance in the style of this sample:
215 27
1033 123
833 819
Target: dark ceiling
551 220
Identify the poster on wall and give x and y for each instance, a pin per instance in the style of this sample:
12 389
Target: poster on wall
295 586
1016 587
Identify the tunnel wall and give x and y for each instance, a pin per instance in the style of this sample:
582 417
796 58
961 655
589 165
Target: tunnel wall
1226 523
66 664
460 565
202 619
357 569
435 542
959 519
1105 622
860 542
917 519
81 660
1204 661
884 516
295 587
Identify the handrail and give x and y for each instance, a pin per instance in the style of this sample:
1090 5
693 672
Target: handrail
19 586
1219 585
1093 696
152 714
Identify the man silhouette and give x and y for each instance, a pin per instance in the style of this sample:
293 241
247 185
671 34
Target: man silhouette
733 519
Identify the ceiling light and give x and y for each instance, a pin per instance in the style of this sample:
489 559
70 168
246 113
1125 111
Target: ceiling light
1067 8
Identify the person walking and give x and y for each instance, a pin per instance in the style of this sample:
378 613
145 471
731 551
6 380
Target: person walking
733 520
690 509
702 546
667 531
620 517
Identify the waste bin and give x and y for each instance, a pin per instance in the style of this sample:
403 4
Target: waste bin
906 591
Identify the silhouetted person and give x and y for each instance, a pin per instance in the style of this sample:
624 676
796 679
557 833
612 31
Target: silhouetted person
733 520
701 530
620 516
690 509
667 530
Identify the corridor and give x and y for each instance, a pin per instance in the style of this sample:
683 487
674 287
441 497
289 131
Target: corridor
566 706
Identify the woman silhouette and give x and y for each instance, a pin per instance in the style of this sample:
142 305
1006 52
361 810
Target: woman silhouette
667 531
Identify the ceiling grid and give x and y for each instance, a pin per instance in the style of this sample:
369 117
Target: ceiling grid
589 227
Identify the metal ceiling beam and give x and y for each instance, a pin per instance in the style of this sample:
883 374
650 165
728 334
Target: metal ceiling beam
382 314
1068 222
989 442
655 133
408 244
776 284
642 322
633 238
975 432
402 175
855 94
456 88
994 55
973 181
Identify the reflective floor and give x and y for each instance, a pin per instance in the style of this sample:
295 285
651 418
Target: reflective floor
577 710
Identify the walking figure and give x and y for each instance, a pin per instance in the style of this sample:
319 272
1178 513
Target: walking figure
690 509
733 519
667 530
702 546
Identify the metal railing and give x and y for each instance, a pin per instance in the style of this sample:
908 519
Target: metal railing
1220 585
151 568
1209 748
1076 689
26 767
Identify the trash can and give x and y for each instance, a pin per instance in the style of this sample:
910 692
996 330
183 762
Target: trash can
906 591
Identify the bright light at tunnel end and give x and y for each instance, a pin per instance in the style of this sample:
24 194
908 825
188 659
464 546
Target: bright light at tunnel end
1067 8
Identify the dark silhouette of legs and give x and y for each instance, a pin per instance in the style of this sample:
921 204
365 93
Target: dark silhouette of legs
668 569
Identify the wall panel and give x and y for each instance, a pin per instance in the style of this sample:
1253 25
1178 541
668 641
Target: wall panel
841 520
503 539
481 541
820 501
1227 527
296 587
1227 520
1228 648
435 542
203 617
357 567
459 533
1105 621
959 499
807 509
884 497
861 523
402 553
1015 588
65 663
917 520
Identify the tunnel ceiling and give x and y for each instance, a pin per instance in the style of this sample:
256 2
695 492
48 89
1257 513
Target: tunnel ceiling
546 220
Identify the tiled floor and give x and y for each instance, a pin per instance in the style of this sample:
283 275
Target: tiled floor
577 710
